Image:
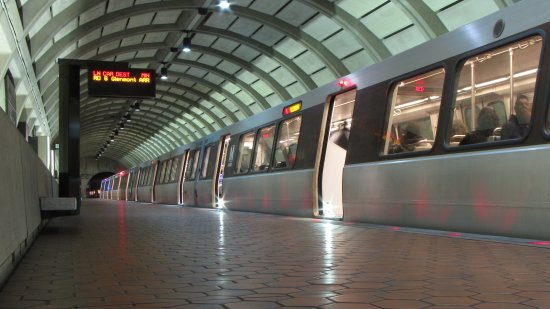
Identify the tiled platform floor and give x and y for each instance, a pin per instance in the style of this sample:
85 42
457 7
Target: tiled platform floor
117 255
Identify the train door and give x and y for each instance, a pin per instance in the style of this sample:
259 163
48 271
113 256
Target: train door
217 185
181 176
331 155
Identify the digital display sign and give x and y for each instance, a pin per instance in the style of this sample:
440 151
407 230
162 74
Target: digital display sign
292 108
126 83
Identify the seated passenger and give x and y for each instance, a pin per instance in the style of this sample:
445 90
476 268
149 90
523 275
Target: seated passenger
487 121
518 124
409 138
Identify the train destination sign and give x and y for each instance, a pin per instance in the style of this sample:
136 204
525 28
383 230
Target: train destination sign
126 83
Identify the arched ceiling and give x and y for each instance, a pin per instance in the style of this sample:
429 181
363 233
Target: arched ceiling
254 55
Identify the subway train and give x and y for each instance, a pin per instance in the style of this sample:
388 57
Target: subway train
449 135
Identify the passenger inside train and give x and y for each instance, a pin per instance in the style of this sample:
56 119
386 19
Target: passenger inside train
487 122
518 124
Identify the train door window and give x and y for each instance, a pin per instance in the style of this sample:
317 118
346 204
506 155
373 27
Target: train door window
192 165
146 176
189 167
212 161
162 172
175 166
494 93
414 110
150 175
264 148
245 153
205 161
142 176
168 171
287 142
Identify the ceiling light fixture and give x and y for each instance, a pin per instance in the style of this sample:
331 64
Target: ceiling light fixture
136 107
186 46
224 4
164 73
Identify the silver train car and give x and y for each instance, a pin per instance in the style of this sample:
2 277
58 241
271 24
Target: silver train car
450 135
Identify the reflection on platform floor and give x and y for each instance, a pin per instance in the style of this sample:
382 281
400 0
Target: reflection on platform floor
130 255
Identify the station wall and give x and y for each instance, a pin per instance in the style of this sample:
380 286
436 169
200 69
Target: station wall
23 180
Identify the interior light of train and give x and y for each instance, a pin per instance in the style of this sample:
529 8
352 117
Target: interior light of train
292 108
500 80
127 83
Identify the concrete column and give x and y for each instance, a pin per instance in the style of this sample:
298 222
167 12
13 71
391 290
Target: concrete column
44 150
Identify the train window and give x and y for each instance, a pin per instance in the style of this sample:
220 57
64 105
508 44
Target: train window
245 153
287 142
174 169
205 160
264 148
494 94
414 111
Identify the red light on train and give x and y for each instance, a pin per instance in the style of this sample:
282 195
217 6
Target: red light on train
265 135
454 234
540 243
343 83
419 88
121 173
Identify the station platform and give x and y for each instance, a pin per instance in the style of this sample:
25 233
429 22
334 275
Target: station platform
132 255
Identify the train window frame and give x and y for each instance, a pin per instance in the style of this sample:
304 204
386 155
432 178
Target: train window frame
277 141
237 160
256 142
391 99
496 141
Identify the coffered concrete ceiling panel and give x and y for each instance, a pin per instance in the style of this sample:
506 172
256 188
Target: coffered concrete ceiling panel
141 20
60 5
92 36
296 13
360 8
255 55
68 28
119 5
92 13
114 27
320 27
465 12
386 20
267 35
342 44
155 37
167 17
